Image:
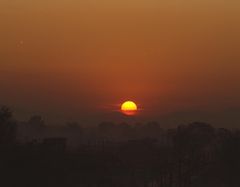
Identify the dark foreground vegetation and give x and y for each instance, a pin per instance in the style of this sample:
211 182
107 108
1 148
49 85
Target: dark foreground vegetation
122 155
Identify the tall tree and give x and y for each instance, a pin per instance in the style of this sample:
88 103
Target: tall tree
7 126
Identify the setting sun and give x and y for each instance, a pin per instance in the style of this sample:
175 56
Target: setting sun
129 108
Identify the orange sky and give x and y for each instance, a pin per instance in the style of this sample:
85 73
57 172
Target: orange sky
72 60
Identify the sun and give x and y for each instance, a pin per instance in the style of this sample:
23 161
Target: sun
129 108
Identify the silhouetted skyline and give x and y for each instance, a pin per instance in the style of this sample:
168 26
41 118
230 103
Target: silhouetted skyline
110 154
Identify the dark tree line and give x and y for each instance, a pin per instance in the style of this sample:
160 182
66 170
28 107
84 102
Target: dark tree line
119 155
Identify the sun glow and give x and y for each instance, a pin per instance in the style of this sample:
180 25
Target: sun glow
129 108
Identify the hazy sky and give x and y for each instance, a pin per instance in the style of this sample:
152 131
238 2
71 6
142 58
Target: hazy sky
78 60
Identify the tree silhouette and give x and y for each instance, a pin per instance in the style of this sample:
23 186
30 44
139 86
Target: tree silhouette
7 126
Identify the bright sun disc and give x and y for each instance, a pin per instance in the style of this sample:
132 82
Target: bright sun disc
129 108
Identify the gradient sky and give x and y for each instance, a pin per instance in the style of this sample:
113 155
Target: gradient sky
78 60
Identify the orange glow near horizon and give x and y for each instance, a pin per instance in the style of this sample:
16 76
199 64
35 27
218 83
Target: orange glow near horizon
66 58
129 108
